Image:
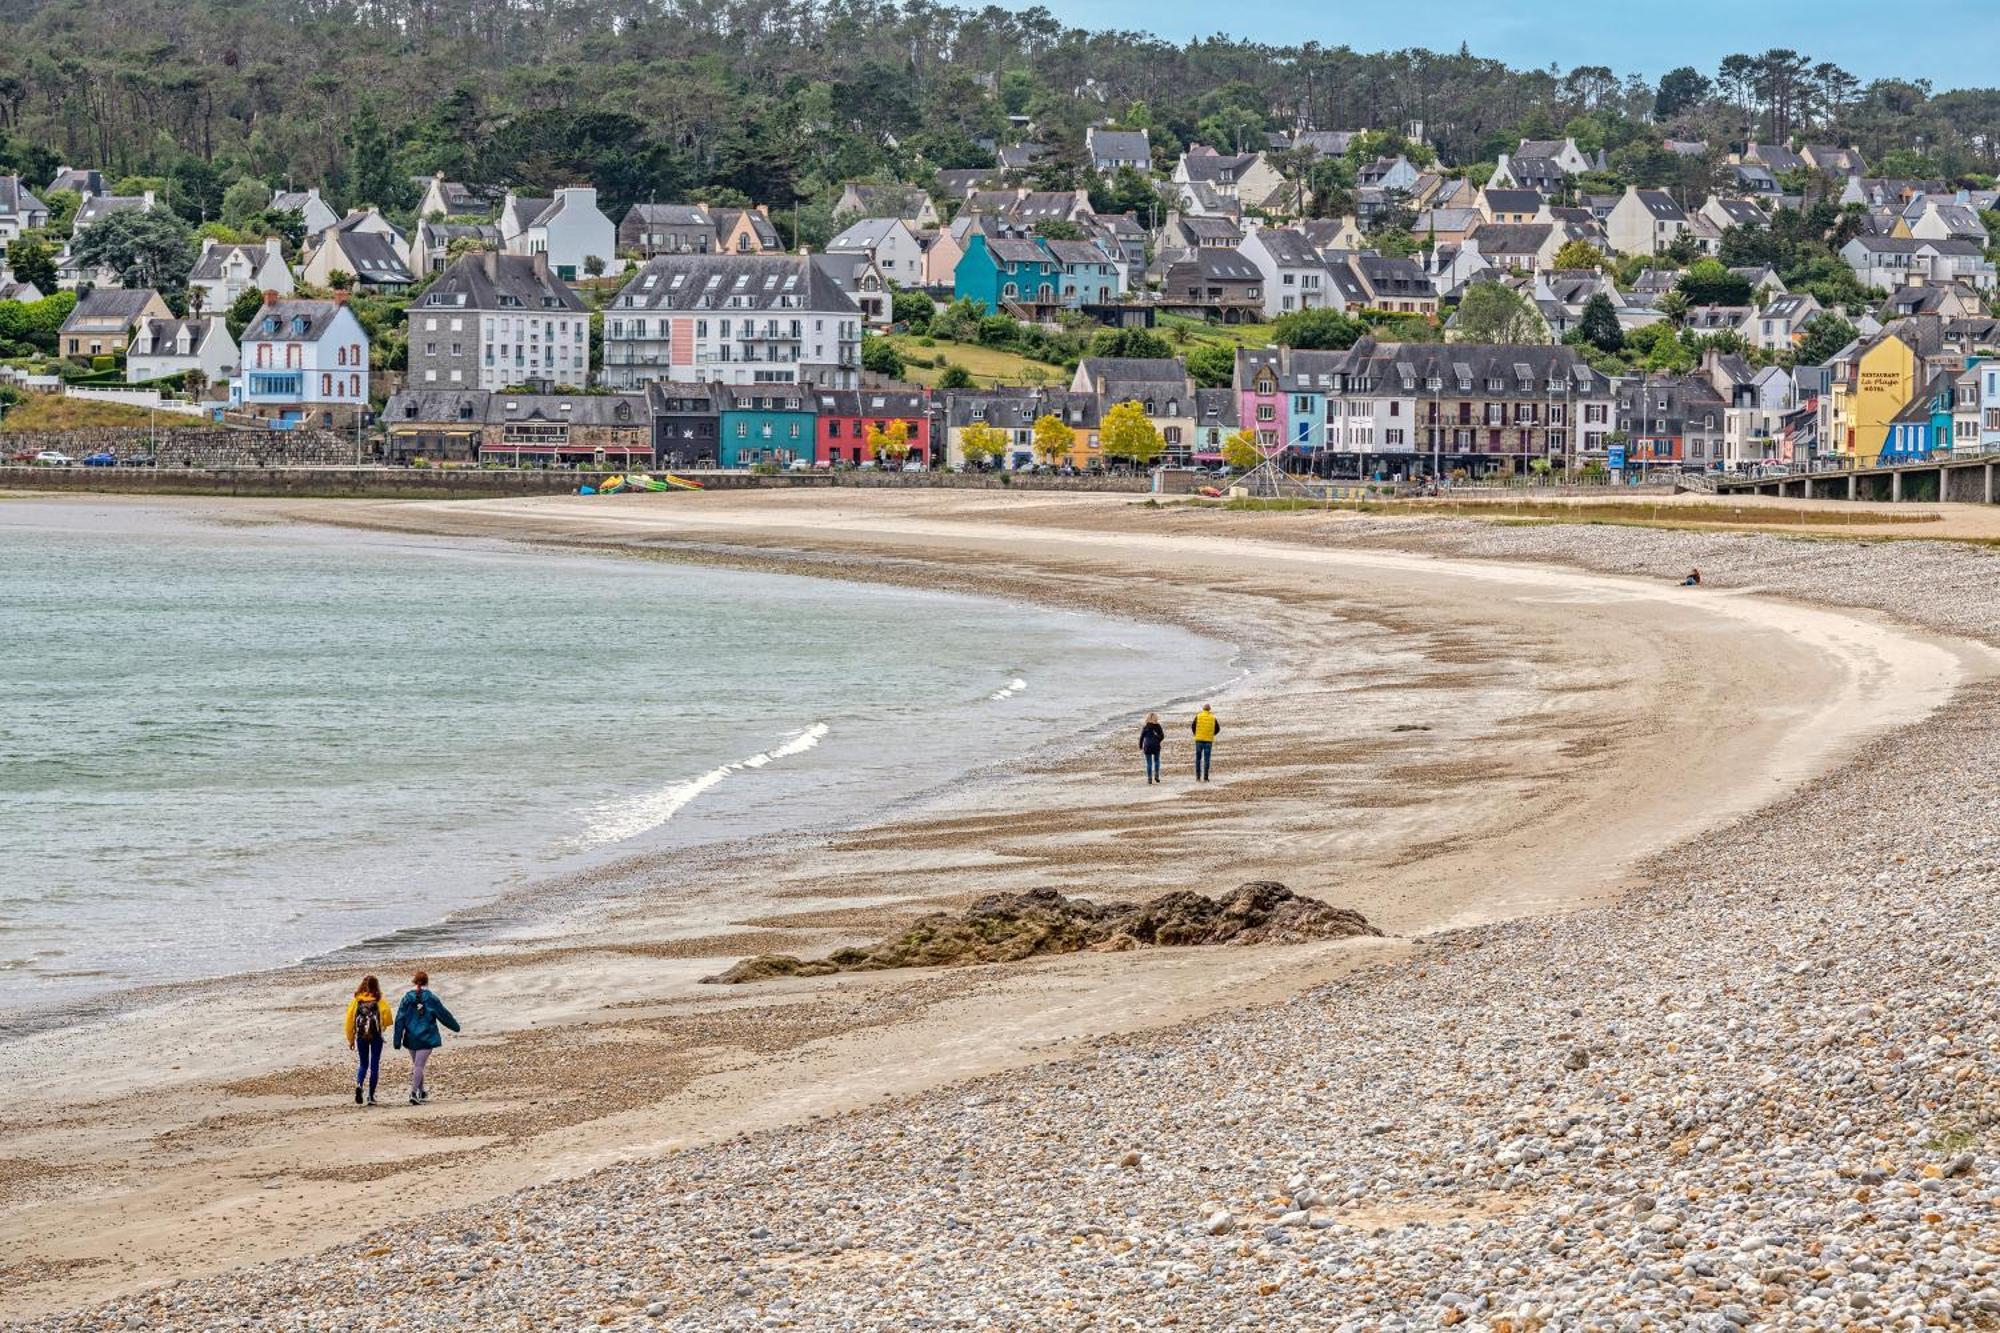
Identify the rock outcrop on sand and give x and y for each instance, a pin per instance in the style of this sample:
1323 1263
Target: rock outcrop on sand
1007 927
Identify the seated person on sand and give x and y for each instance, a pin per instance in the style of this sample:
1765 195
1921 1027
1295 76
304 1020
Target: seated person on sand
1693 580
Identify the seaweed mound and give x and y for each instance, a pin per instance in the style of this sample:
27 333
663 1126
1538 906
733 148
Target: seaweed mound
1008 927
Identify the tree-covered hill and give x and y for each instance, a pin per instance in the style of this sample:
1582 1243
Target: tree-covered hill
777 102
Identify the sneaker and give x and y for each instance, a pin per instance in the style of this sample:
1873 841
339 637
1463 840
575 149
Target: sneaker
414 1101
357 1094
371 1099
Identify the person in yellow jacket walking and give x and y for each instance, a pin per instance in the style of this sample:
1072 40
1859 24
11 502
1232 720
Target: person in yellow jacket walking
1205 729
368 1017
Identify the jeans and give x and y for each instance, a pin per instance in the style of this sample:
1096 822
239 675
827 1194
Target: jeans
419 1057
370 1068
1152 765
1202 752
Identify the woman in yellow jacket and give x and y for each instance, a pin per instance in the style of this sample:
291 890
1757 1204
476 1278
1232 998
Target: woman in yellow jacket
368 1017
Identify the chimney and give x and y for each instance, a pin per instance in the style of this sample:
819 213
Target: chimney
540 261
491 263
271 246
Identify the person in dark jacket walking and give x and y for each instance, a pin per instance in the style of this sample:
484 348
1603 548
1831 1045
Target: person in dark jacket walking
417 1020
1151 737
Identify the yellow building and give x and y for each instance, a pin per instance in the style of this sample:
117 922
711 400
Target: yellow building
1887 375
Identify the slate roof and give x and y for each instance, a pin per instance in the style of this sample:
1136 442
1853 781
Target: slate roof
163 332
83 180
109 305
1129 369
499 282
441 235
883 403
1288 248
672 215
1741 212
1118 145
865 233
318 317
1512 238
1220 265
208 266
372 258
1514 201
523 212
707 282
1217 167
17 198
1390 276
767 234
1662 206
100 206
891 201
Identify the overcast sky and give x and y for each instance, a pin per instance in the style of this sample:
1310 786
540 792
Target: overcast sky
1950 42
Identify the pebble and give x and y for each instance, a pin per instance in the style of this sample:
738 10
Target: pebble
1760 1093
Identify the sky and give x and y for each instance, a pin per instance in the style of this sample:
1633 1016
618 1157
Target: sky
1950 42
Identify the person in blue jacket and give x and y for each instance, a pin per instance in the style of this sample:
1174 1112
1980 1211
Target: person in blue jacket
417 1020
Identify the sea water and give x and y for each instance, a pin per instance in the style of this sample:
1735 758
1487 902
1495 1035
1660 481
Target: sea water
227 746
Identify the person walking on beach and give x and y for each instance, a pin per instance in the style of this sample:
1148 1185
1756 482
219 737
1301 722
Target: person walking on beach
367 1019
417 1019
1205 729
1151 737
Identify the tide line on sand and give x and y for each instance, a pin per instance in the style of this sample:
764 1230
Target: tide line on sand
616 821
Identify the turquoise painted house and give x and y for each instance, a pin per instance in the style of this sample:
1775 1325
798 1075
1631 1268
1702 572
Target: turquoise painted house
765 423
998 271
1089 275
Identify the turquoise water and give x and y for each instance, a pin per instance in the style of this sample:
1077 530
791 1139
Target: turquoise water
225 747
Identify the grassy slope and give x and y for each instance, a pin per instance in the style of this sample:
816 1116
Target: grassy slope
986 365
989 365
48 411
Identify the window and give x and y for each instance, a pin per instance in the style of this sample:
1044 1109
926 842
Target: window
1265 412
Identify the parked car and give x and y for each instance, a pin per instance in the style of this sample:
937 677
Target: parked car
138 460
101 458
799 465
913 466
51 458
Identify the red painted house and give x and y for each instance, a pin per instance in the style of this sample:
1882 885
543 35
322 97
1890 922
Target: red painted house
846 416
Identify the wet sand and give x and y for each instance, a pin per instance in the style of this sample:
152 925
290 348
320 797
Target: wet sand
1512 741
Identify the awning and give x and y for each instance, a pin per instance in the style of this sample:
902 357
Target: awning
628 450
1208 458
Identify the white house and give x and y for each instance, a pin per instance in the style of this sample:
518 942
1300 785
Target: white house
1109 150
1295 274
163 347
366 248
1889 262
1781 323
20 210
303 363
890 243
318 214
568 228
1644 222
222 273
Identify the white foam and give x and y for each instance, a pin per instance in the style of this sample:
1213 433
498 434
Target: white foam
1012 688
616 821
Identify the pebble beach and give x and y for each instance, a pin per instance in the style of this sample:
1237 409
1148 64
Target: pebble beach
1760 1090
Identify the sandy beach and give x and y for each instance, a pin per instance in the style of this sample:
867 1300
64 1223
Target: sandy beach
1521 752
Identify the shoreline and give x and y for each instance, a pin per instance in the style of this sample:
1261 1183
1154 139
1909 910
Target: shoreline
559 881
1172 986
